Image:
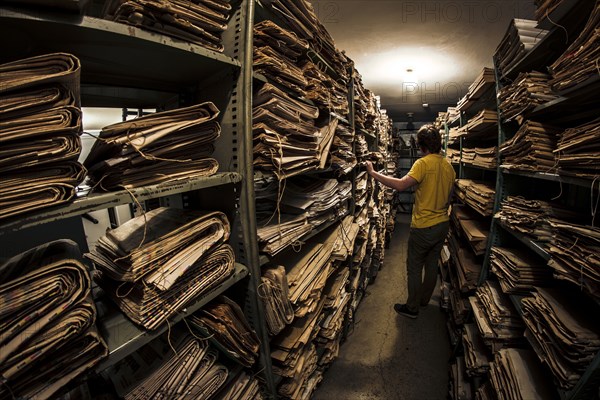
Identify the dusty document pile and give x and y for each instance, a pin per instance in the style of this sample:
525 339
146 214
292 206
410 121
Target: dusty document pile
307 274
341 155
155 264
565 327
532 217
531 148
484 157
578 150
287 210
471 226
47 322
467 266
295 357
286 139
579 62
274 293
277 53
155 148
177 365
334 313
484 81
477 355
528 91
304 22
516 374
224 324
498 320
478 195
484 125
519 271
40 128
574 255
200 21
522 36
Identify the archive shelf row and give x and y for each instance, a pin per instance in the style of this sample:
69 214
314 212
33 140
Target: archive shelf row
125 66
577 192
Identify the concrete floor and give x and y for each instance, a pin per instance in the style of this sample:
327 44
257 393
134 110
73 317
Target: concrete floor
388 356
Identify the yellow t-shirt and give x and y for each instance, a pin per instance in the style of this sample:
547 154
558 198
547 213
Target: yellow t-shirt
436 178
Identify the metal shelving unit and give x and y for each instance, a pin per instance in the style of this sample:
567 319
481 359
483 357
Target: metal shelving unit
128 67
563 111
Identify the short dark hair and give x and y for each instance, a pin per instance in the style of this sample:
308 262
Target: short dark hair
428 138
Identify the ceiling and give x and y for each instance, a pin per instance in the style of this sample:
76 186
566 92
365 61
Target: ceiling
444 43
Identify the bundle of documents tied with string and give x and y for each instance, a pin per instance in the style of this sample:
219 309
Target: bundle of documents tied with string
243 386
564 325
484 157
281 56
472 226
223 323
579 62
277 53
324 200
498 320
286 139
290 209
531 148
341 155
323 90
155 148
484 81
528 91
532 217
519 271
336 304
306 273
468 268
274 293
176 365
47 322
360 102
578 150
276 230
200 21
477 194
304 22
295 357
40 128
477 355
516 374
574 254
522 35
155 264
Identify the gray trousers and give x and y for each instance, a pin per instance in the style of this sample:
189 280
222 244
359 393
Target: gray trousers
424 247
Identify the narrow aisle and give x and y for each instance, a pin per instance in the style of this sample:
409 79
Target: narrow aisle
388 356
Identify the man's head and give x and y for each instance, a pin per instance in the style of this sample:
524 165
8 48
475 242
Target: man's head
429 139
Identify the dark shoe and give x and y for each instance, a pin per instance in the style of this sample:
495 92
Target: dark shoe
402 309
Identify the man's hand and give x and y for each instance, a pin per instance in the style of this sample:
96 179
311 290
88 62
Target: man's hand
369 167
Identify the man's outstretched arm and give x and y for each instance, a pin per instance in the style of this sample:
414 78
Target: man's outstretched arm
401 184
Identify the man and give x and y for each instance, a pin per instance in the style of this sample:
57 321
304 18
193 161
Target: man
434 178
